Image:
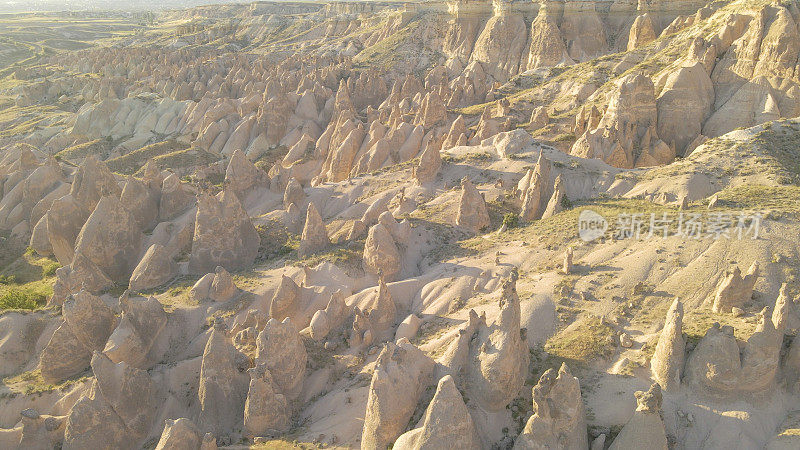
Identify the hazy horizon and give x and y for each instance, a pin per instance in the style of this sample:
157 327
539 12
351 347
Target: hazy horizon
14 6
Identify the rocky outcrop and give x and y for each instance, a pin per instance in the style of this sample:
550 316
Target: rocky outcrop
536 190
109 241
155 269
642 32
547 48
381 255
559 417
686 101
500 45
667 361
735 289
216 287
183 434
646 425
266 409
116 412
176 198
223 389
402 373
242 176
489 362
472 212
280 349
626 135
87 324
383 312
223 235
717 367
285 300
583 30
556 203
429 164
141 323
447 423
315 235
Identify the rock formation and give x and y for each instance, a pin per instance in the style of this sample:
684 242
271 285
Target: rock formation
559 418
735 289
87 324
133 340
472 212
223 389
402 373
223 235
667 361
381 255
447 422
315 236
646 425
629 123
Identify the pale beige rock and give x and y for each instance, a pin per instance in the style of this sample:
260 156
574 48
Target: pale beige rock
92 182
383 312
223 235
141 323
285 300
646 425
493 378
559 417
242 176
429 164
223 389
176 198
735 290
88 323
381 255
179 434
141 201
555 205
629 122
110 239
408 327
718 368
315 235
642 32
402 373
282 352
155 269
686 101
266 409
472 212
668 358
447 423
547 47
568 255
294 193
116 412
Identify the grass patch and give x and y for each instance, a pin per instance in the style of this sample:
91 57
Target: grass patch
31 382
181 159
133 161
586 340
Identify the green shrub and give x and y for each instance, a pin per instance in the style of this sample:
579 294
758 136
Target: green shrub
21 299
9 279
49 268
511 220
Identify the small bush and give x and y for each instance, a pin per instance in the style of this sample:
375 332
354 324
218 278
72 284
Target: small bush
9 279
20 299
511 220
49 268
